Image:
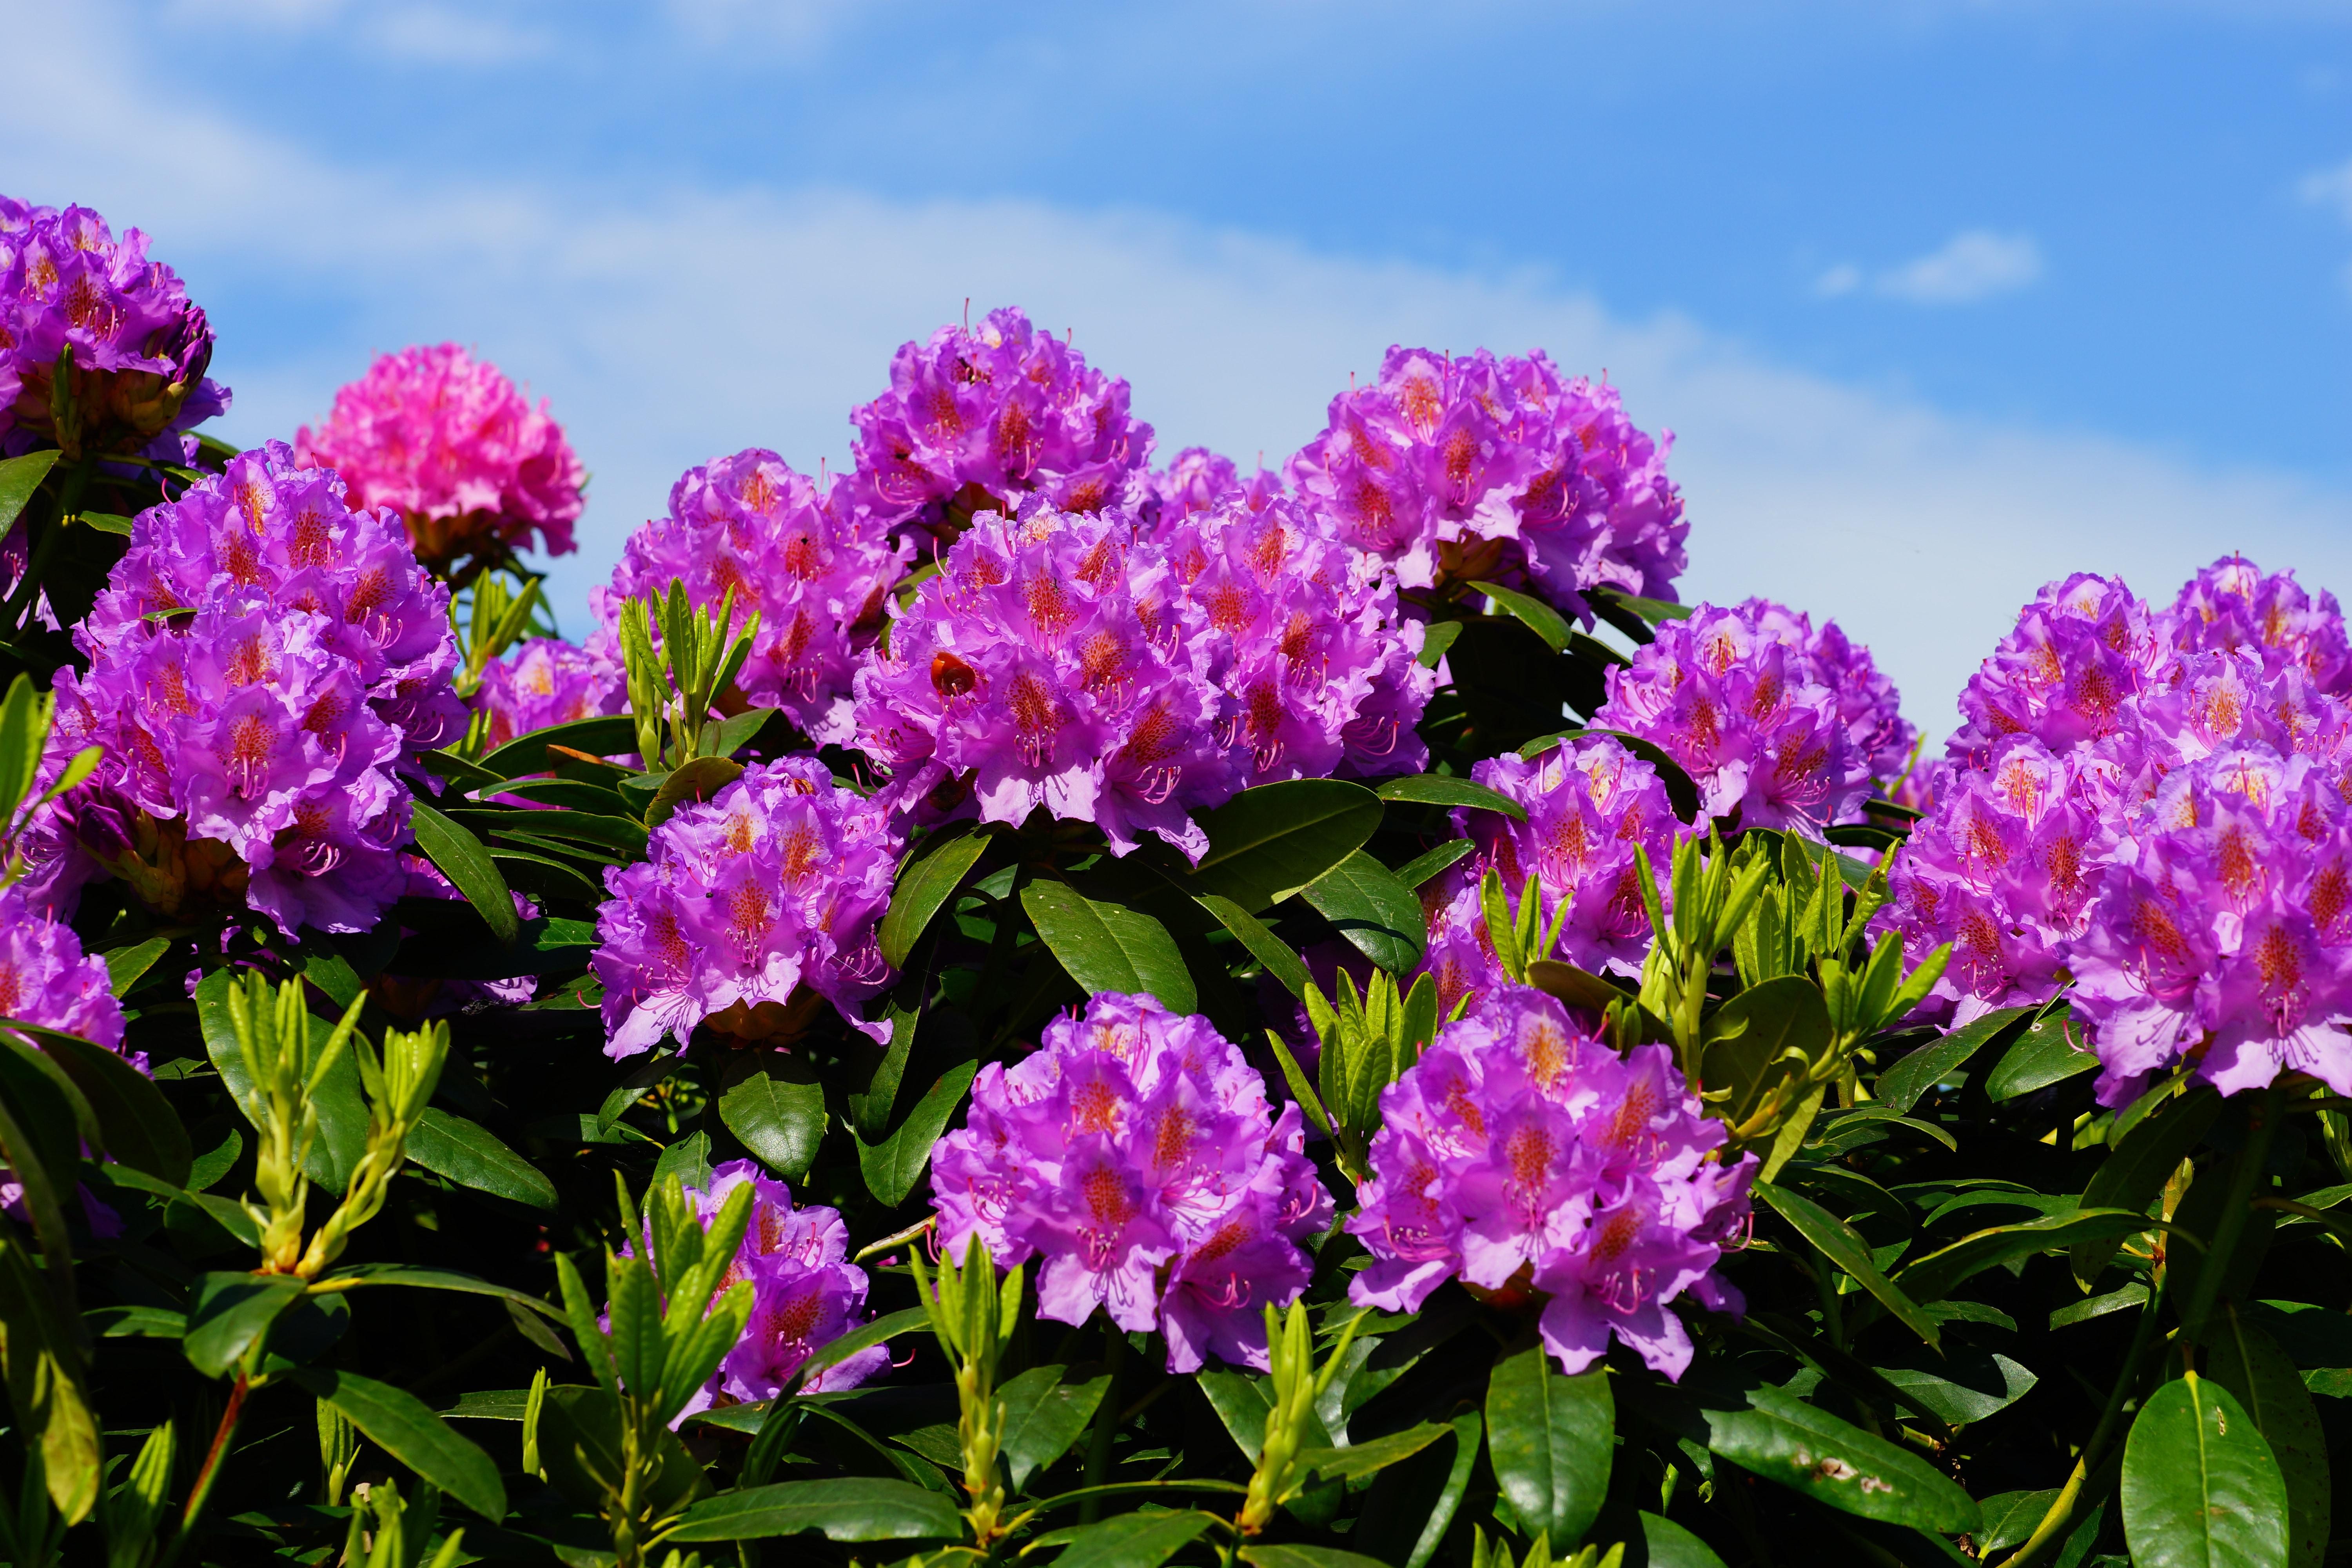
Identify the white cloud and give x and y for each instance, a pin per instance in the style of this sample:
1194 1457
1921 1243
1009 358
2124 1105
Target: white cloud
675 325
423 32
1973 264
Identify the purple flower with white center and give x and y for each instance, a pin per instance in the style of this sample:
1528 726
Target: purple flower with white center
1521 1155
2221 937
1318 673
2005 868
815 566
1051 664
1200 480
266 665
2079 652
1866 700
2230 606
1732 703
548 681
979 418
46 979
1589 804
750 911
1135 1153
139 347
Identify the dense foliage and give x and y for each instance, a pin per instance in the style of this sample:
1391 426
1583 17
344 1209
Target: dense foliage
1018 1003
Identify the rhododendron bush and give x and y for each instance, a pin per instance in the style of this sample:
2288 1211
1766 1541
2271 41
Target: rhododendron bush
1007 995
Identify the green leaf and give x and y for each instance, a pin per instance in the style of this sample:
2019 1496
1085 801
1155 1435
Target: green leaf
1439 789
781 1122
19 478
124 965
2011 1517
893 1166
468 866
926 881
1291 1555
1900 1086
888 1326
2251 1365
1106 948
1939 1274
343 1109
1469 1433
1551 1439
1268 949
140 1127
869 1113
1670 1546
417 1275
1841 1245
698 780
1437 640
2136 1170
620 835
472 1156
1365 902
1422 868
611 735
1540 619
1268 844
1762 1039
2049 1051
1241 1403
579 1445
2200 1488
1373 1455
857 1508
228 1314
400 1423
729 736
1043 1416
46 1388
105 522
1966 1385
1141 1539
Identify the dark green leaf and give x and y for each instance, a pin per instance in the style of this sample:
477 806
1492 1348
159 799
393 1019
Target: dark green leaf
925 883
2011 1517
1577 987
1241 1403
613 734
699 779
1670 1546
542 877
1760 1039
362 1275
1374 1454
893 1166
1269 842
1422 868
124 965
228 1314
1043 1416
1380 915
1936 1275
1842 1246
1437 640
2131 1295
602 828
1900 1086
19 478
1106 948
105 522
1439 789
468 867
1268 949
147 1323
2050 1050
400 1423
1537 617
1551 1439
2200 1489
888 1326
2251 1365
869 1113
579 1445
1964 1385
140 1127
2136 1170
472 1155
1292 1555
1469 1434
1131 1539
731 735
856 1508
779 1120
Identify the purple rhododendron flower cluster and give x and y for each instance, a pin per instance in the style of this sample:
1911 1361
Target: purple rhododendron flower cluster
265 663
548 681
1745 714
1135 1153
1319 674
46 979
2079 653
2232 607
1521 1153
1589 804
1200 480
1485 468
140 347
814 565
1867 702
980 417
449 442
752 911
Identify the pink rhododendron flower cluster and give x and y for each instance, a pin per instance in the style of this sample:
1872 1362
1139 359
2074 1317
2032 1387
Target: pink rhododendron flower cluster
1486 468
1134 1153
752 912
981 417
1521 1153
139 347
1747 715
449 442
265 663
814 566
45 978
547 681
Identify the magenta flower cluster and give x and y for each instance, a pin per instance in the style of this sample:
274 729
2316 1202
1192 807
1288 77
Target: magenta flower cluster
1484 468
447 441
547 681
1135 1155
139 347
1199 480
2232 607
981 417
752 912
1521 1155
814 565
265 664
45 978
1738 699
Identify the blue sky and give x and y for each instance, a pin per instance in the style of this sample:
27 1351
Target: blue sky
1941 299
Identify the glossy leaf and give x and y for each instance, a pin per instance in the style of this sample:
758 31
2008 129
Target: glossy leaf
1268 949
1268 844
1376 913
1131 1539
1532 612
2251 1365
1551 1439
2200 1488
1422 867
611 735
1964 1385
126 965
1935 1276
472 1156
895 1165
856 1508
140 1128
19 478
2136 1170
925 883
1374 1454
402 1425
1441 789
1043 1416
418 1276
779 1121
2050 1050
1669 1545
1845 1247
228 1314
1900 1086
47 1390
1469 1437
1106 948
696 780
468 866
1289 1554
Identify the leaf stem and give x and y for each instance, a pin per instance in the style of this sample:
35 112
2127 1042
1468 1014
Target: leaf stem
1105 1423
201 1493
